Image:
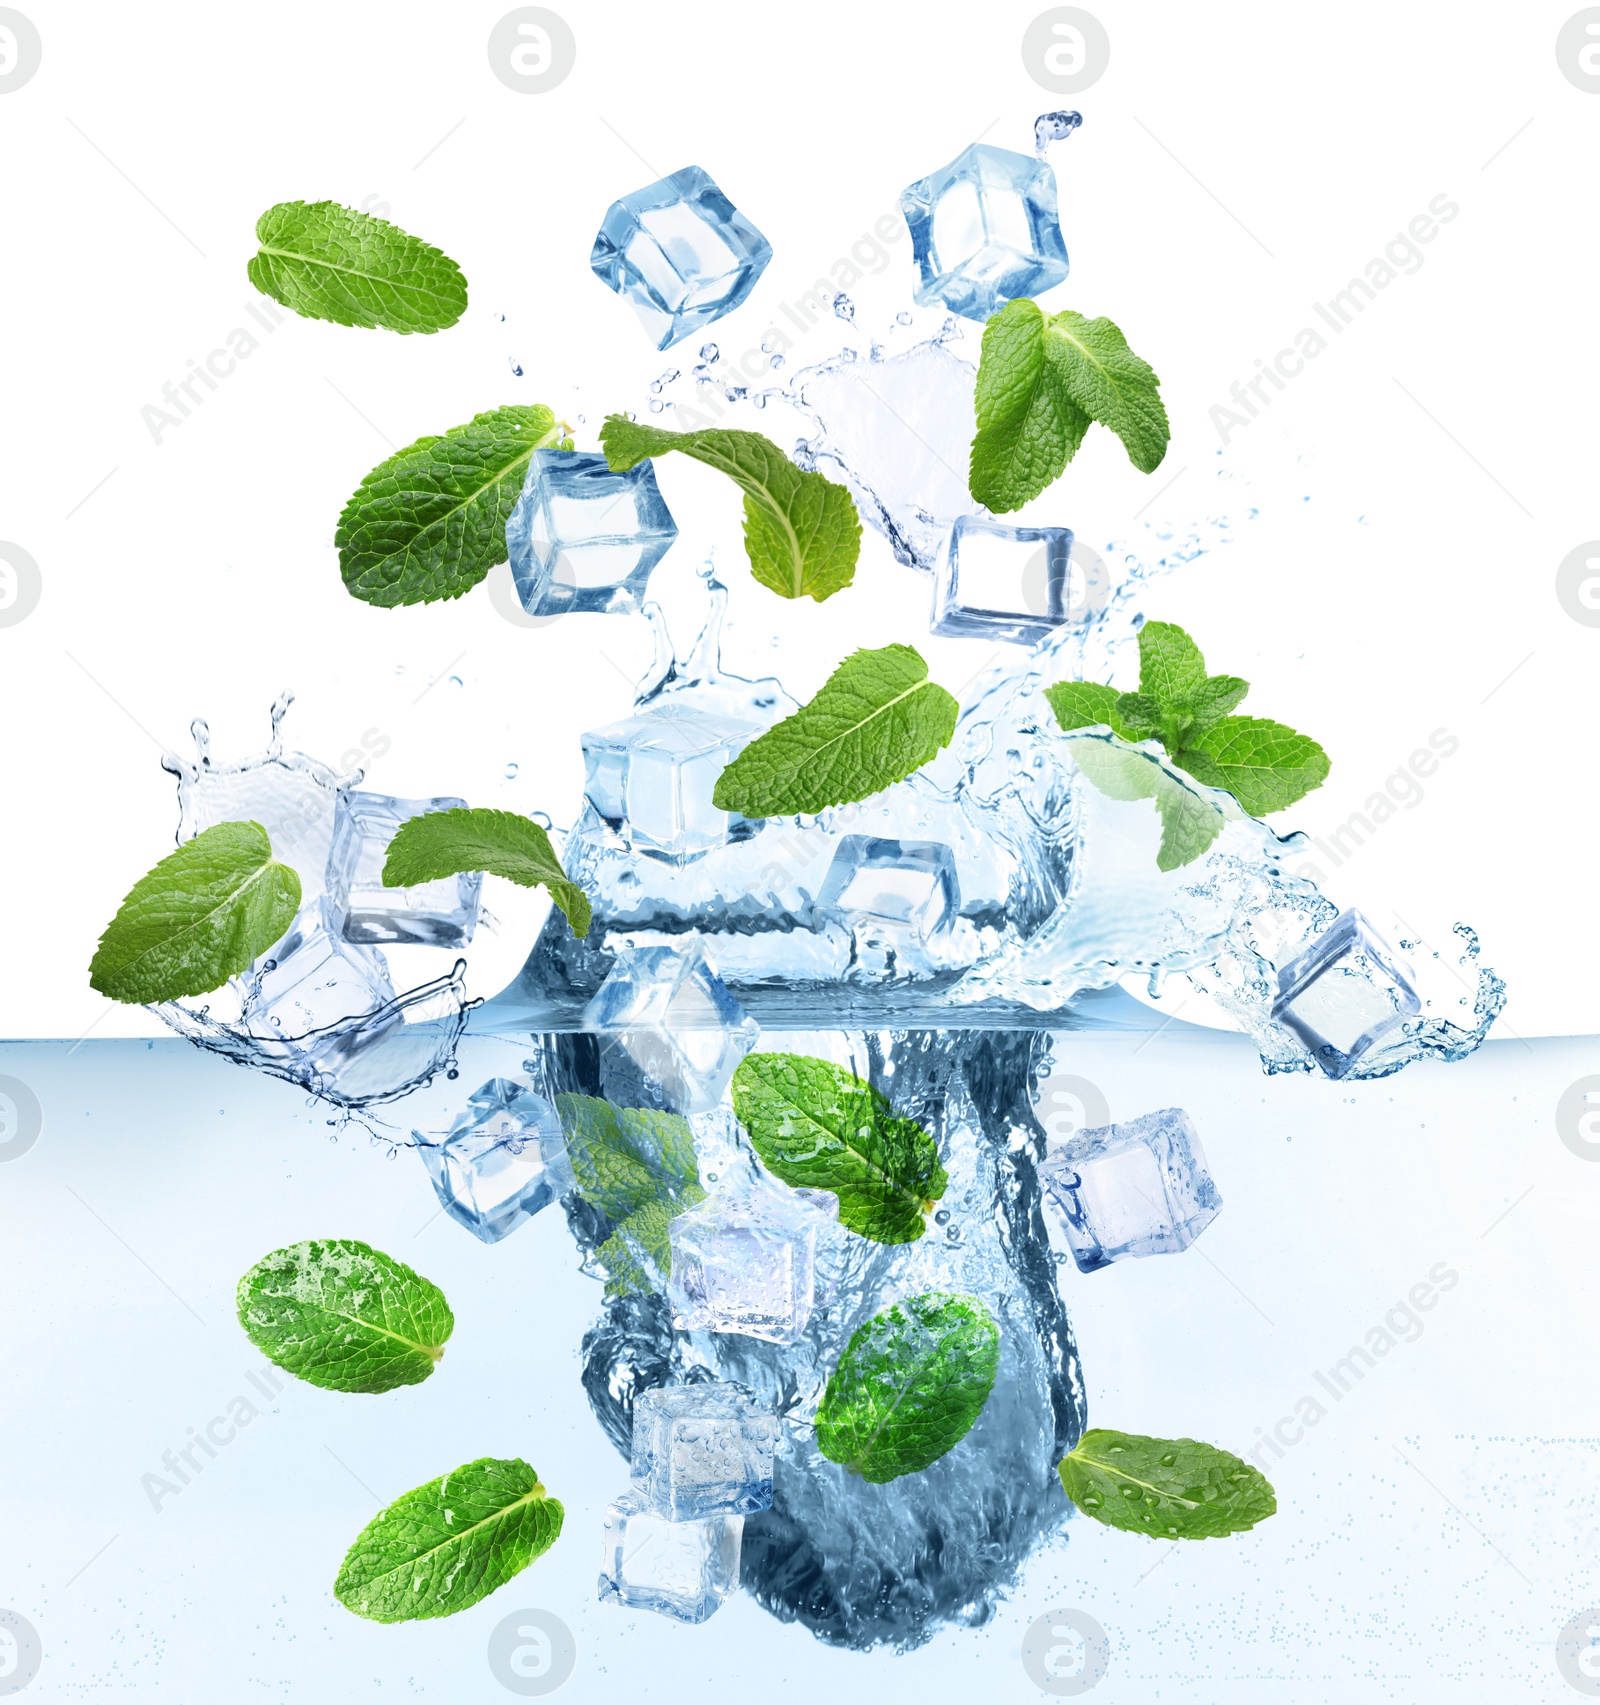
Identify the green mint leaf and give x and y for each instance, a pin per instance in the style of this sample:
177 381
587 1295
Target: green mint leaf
430 522
1040 383
1212 701
818 1127
1142 717
446 1545
1089 704
342 1315
801 531
1189 823
200 917
626 1157
643 1236
877 719
1171 668
445 843
327 262
1168 1488
1264 765
909 1386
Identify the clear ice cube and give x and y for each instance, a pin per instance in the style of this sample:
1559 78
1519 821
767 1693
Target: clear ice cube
671 1014
703 1450
652 776
584 538
681 253
1346 993
1000 582
899 900
442 913
1138 1188
681 1569
502 1160
984 230
744 1260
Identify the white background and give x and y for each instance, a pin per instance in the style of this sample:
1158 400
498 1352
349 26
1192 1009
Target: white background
1418 484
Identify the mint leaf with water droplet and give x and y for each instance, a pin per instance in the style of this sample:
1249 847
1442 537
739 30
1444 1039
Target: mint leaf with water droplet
801 532
1167 1488
444 1546
430 522
1041 382
626 1157
327 262
200 917
340 1314
818 1127
909 1386
503 843
877 719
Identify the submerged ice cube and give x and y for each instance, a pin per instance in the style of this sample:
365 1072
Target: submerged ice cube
702 1450
1347 992
584 538
681 1569
502 1160
1000 582
1139 1188
680 252
897 899
744 1260
667 1009
652 776
442 913
984 230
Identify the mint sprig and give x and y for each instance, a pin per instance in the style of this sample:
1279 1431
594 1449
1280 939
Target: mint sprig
446 843
1041 382
1264 765
1167 1488
200 917
443 1546
877 719
801 532
430 522
340 1314
327 262
817 1126
909 1386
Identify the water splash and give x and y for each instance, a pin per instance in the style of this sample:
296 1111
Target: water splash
1051 127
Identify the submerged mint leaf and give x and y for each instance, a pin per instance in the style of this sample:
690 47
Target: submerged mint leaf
877 719
327 262
1040 383
801 531
444 1546
643 1237
818 1127
343 1315
1189 823
1264 765
909 1386
200 917
626 1157
430 522
446 843
1168 1488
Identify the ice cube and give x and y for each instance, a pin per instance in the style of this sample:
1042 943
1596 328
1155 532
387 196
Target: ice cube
744 1260
1000 582
502 1160
583 538
671 1014
442 913
702 1450
681 1569
984 230
1347 992
680 252
651 777
897 900
1139 1188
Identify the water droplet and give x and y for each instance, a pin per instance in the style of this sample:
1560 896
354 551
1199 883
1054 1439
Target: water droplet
515 365
455 681
709 352
1051 127
844 308
942 1217
776 362
903 318
736 393
511 772
501 318
656 405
